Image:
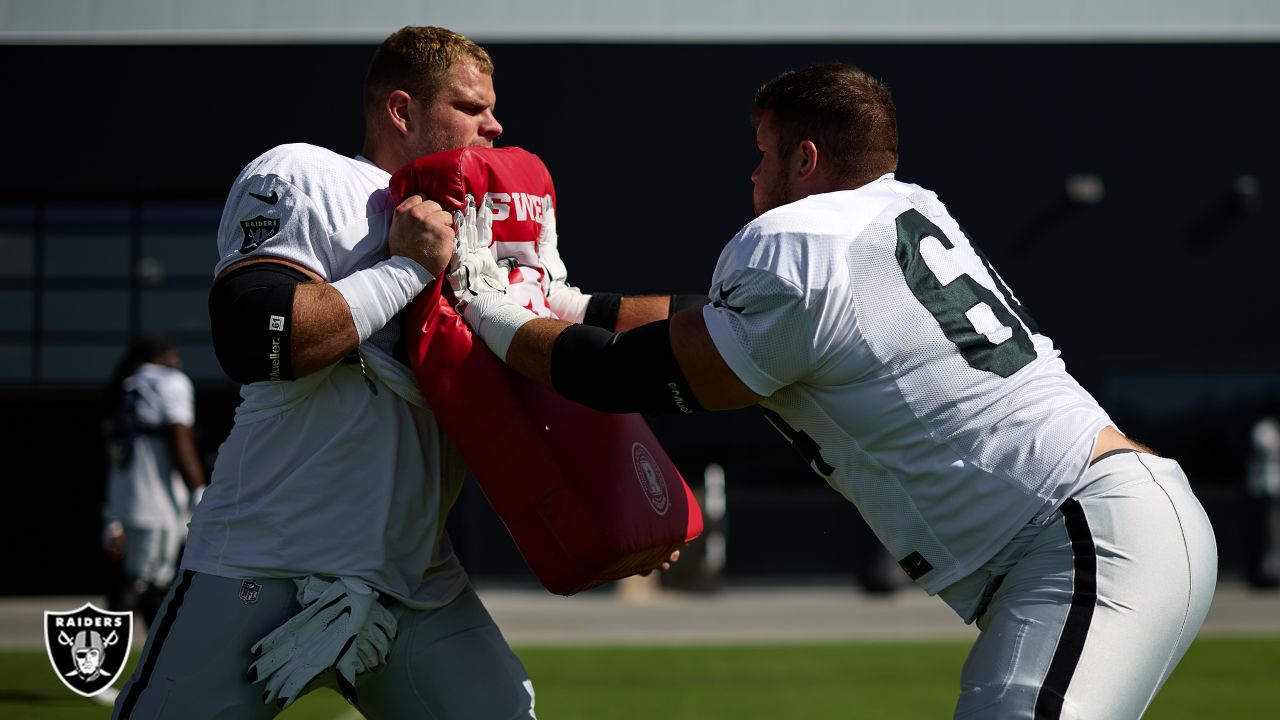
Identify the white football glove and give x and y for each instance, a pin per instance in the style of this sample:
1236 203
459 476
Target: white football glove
342 626
549 251
566 301
474 271
480 282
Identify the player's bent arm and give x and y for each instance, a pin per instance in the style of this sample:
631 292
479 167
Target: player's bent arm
712 380
620 313
610 311
530 351
637 310
665 366
273 319
324 331
635 370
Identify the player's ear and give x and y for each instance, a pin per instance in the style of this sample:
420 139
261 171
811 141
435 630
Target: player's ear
400 111
806 160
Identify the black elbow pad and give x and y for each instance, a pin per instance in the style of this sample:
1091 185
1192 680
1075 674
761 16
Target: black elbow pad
631 371
251 317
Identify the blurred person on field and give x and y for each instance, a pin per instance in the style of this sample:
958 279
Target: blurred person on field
319 554
1262 500
155 476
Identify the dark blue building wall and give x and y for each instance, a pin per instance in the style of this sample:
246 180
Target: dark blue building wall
651 150
1162 296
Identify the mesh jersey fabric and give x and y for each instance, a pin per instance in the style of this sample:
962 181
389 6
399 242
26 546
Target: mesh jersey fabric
322 475
813 308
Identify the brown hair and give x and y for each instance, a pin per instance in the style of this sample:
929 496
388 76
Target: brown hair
414 59
845 112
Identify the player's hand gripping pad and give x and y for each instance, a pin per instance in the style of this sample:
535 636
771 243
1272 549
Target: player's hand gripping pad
587 496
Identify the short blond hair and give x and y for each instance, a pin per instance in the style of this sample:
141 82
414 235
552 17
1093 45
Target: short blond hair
414 59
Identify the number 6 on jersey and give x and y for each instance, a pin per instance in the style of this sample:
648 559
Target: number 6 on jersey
958 287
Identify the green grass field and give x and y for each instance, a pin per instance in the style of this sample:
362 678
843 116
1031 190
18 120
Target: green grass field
1220 678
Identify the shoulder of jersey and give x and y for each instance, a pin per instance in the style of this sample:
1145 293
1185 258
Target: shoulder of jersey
339 187
175 377
306 167
162 375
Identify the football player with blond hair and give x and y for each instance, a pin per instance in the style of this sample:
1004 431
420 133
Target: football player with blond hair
320 545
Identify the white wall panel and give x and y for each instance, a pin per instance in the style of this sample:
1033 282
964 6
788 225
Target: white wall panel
168 21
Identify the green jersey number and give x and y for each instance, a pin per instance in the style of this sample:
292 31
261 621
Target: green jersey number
943 277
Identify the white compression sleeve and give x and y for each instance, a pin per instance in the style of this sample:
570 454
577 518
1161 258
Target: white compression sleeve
495 319
376 294
569 303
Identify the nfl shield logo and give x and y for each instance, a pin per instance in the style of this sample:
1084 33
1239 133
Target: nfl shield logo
88 647
249 591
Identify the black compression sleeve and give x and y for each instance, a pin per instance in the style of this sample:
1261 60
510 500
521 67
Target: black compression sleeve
251 319
602 310
683 302
632 371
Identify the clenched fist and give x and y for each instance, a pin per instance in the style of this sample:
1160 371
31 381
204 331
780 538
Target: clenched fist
422 231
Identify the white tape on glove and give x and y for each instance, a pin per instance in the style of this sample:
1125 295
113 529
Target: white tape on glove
566 301
480 281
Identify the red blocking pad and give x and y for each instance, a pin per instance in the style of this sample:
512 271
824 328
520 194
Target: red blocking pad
587 496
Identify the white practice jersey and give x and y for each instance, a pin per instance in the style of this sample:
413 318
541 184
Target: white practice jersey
343 471
147 491
904 369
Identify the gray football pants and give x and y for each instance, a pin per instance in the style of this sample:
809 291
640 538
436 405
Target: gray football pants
1092 619
447 663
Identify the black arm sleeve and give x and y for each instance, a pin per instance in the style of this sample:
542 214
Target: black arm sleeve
602 310
631 371
251 317
683 302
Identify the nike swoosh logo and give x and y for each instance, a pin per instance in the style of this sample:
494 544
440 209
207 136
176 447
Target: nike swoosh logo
724 299
346 611
271 199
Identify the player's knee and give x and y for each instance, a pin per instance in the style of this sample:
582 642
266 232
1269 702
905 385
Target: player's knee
1006 701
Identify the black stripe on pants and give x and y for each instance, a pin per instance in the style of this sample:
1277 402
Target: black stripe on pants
1084 596
162 632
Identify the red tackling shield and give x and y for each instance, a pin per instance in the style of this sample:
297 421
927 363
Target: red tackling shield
587 496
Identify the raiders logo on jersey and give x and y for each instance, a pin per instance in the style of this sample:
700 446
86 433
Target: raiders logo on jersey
257 230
